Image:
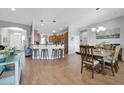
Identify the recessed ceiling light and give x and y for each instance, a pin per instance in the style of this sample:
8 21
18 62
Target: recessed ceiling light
54 21
97 8
13 9
41 20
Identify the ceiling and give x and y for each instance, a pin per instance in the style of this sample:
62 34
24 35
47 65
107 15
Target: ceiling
63 16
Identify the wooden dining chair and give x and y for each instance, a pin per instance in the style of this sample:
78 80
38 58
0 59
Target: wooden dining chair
108 46
87 58
113 60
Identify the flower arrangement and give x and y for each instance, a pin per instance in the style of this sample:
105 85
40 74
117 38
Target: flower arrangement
8 53
99 46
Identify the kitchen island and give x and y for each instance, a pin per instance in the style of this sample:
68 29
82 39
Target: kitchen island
47 51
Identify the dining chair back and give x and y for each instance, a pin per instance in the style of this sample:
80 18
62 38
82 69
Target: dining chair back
113 61
117 50
87 57
87 53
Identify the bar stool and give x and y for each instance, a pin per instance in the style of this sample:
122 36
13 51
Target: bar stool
35 54
53 56
54 52
62 47
60 53
44 53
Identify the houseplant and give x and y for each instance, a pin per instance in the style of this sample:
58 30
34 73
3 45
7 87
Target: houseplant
99 47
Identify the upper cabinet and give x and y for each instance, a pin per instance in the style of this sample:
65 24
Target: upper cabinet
56 38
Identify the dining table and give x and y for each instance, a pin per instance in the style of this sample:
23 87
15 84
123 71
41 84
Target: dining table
100 54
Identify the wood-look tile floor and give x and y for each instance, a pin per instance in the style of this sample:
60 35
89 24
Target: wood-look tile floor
65 71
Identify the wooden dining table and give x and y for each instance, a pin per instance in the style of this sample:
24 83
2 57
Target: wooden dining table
100 54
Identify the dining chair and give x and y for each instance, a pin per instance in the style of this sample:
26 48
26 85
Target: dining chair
87 58
112 61
108 46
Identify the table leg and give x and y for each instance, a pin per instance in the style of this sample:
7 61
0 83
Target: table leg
103 67
16 73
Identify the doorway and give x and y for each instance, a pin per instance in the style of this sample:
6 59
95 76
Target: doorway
13 37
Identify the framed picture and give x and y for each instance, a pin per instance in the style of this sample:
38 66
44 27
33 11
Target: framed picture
108 34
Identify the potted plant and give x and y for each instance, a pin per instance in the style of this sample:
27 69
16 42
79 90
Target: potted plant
99 47
12 51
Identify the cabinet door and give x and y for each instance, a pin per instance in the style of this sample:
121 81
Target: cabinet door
50 38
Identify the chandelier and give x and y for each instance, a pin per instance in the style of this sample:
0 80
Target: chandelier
98 29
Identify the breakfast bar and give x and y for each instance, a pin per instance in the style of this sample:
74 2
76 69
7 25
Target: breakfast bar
49 51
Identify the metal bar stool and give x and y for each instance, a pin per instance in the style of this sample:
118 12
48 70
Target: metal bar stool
44 54
35 54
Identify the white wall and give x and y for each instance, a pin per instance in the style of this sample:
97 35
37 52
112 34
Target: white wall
115 23
73 39
83 38
4 34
